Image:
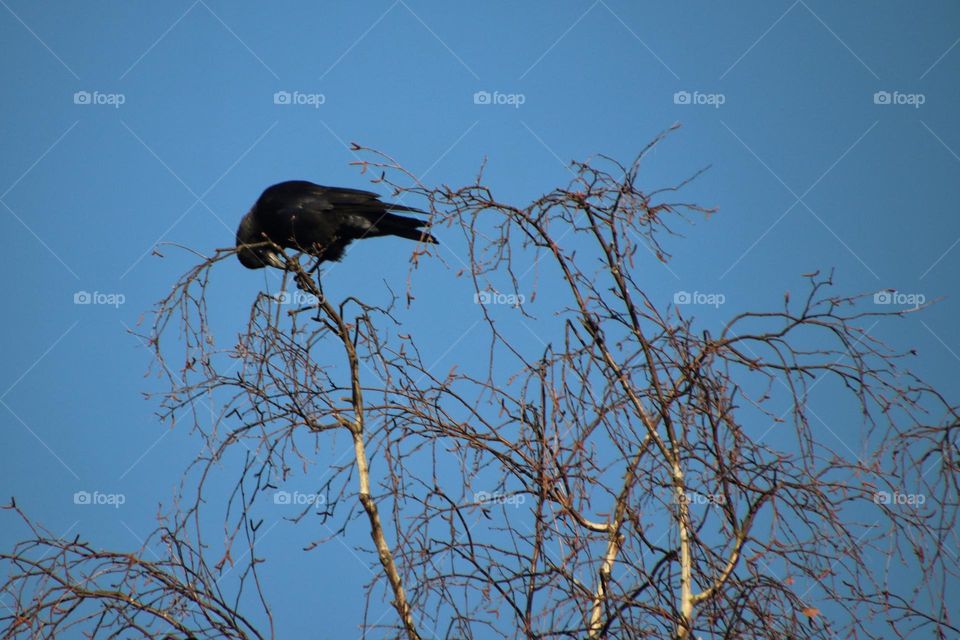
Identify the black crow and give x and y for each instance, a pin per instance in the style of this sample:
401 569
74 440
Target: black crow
318 220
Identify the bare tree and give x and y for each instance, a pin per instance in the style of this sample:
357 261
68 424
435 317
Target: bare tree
62 587
612 479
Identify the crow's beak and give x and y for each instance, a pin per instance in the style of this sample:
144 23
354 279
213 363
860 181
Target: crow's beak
275 260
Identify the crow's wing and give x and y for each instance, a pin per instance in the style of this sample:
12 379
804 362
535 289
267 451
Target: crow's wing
323 220
300 214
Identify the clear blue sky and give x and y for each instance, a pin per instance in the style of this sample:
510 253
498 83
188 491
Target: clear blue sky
127 124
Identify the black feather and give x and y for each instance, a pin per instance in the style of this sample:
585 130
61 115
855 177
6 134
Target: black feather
320 221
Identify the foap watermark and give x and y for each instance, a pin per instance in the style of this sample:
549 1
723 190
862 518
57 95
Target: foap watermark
99 297
897 498
696 98
299 498
499 497
895 97
892 296
299 98
690 497
98 498
495 297
697 297
496 98
297 297
97 98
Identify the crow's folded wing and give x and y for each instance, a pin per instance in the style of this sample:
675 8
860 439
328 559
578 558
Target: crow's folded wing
301 214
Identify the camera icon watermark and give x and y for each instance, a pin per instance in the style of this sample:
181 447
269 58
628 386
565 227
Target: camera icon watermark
894 297
299 498
99 298
711 299
900 499
714 100
97 98
300 298
314 100
494 297
498 497
914 100
496 98
96 498
701 499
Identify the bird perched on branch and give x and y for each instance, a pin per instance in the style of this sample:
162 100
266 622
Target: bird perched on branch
320 221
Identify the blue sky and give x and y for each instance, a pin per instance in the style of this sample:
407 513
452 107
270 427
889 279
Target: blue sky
830 130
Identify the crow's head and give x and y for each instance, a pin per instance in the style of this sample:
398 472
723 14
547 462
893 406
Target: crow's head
252 248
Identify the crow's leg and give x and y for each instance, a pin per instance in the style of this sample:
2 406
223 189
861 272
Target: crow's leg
301 277
320 286
321 298
314 271
309 280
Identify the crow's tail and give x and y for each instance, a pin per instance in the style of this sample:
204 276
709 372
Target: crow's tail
390 224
